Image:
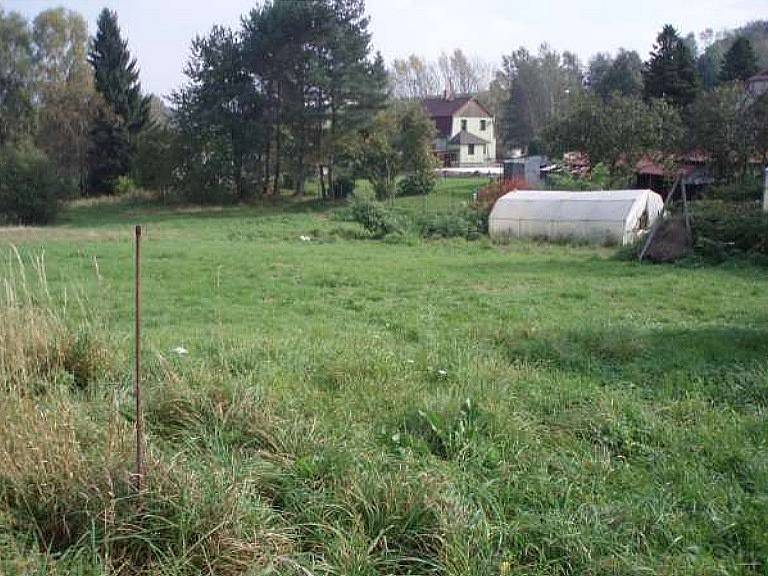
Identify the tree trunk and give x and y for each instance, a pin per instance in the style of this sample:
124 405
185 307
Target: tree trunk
321 177
332 156
265 164
300 164
237 160
278 144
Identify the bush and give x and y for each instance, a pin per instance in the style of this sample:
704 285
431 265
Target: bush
374 217
469 223
417 183
29 188
343 186
599 178
749 189
125 186
157 153
492 191
722 230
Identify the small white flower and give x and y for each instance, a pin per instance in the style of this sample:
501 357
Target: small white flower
409 361
305 238
180 351
442 372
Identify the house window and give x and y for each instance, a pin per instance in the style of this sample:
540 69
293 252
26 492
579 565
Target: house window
471 150
482 125
485 149
463 124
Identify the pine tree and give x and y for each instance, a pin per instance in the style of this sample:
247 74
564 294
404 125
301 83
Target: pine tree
740 62
312 60
116 78
671 71
109 154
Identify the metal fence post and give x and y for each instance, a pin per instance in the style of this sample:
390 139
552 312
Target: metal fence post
137 366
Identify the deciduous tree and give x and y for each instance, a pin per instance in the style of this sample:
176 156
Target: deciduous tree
724 127
17 114
538 88
622 75
66 97
617 132
398 142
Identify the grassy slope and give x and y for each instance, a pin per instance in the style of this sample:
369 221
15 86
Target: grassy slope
448 406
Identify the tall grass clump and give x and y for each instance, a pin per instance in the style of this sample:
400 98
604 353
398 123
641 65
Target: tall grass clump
68 501
38 345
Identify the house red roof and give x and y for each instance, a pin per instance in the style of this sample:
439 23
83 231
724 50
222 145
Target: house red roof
442 110
441 107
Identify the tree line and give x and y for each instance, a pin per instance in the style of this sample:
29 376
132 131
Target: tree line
295 93
278 100
415 77
619 108
71 109
616 107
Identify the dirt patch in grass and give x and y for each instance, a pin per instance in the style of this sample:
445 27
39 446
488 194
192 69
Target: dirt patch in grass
27 234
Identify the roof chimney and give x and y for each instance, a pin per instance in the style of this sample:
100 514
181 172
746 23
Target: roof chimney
448 94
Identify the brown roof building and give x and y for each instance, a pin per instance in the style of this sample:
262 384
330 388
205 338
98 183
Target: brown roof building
758 84
465 131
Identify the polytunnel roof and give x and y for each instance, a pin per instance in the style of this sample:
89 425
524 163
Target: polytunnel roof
542 205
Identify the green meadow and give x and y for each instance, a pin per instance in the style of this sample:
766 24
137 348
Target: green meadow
359 406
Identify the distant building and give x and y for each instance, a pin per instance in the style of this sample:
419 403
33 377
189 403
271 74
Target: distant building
465 131
758 84
654 173
531 171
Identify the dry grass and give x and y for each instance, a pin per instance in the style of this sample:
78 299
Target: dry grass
67 446
61 472
37 345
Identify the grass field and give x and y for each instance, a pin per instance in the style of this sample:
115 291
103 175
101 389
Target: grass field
361 407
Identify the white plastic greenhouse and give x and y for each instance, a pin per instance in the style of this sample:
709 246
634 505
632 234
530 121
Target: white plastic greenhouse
608 217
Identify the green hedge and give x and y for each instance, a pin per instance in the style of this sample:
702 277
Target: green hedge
29 187
725 229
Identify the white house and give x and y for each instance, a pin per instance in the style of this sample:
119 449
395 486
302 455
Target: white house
466 134
758 84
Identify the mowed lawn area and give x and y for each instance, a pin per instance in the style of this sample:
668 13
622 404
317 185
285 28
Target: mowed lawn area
402 406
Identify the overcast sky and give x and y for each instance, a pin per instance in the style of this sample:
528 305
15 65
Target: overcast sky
159 31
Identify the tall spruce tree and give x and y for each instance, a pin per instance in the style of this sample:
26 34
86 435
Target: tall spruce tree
116 78
671 71
740 61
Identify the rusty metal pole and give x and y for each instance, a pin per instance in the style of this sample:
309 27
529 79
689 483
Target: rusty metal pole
686 211
137 366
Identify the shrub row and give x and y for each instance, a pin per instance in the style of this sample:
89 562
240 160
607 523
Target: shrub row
724 229
380 221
